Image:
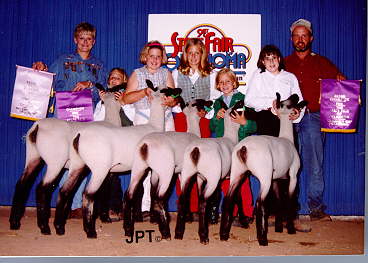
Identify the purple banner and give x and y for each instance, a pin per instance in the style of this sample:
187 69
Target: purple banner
339 105
74 106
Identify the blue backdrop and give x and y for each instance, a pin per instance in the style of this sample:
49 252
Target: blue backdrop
32 30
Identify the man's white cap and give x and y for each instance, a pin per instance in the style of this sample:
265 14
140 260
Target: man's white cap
301 22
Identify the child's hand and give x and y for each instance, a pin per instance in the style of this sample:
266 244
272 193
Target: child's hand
119 97
81 85
39 65
221 113
148 93
238 118
101 93
294 114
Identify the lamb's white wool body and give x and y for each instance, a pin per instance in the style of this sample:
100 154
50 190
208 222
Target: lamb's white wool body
210 160
49 140
103 148
163 153
267 158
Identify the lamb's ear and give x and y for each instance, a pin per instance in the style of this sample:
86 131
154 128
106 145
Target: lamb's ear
150 85
100 87
223 105
302 104
278 99
174 92
181 102
199 103
294 98
208 103
121 87
165 91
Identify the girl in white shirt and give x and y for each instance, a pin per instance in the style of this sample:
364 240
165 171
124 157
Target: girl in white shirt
269 78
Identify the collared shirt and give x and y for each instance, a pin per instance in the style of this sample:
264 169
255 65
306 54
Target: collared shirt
309 72
262 88
217 125
71 69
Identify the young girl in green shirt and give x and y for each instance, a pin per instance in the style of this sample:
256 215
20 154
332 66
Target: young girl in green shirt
227 83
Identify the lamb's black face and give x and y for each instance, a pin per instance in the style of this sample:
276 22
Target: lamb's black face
202 104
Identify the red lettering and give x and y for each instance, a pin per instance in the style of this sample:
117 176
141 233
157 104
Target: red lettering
174 44
208 40
177 43
229 44
202 32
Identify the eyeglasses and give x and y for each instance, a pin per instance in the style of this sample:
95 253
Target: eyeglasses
225 83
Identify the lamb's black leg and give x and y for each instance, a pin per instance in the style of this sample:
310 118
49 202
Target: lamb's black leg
102 203
65 199
213 204
291 214
89 217
21 193
43 197
278 204
162 216
227 217
203 220
183 208
128 223
261 222
137 206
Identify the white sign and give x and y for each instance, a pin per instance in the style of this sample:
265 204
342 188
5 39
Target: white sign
232 41
31 93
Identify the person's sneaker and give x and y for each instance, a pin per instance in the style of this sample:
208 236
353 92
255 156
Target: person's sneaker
320 215
302 225
76 213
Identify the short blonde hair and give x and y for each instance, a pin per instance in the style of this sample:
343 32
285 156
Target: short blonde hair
84 27
204 67
230 73
146 49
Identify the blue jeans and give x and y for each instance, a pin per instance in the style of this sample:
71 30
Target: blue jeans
77 199
311 143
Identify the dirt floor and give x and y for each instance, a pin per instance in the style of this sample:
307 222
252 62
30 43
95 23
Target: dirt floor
327 238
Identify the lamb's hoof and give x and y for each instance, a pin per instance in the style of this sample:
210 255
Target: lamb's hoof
45 230
279 229
166 237
179 236
91 234
128 232
204 240
263 242
14 225
291 230
224 237
60 230
105 218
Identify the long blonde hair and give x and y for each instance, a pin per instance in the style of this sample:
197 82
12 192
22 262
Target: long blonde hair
204 66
